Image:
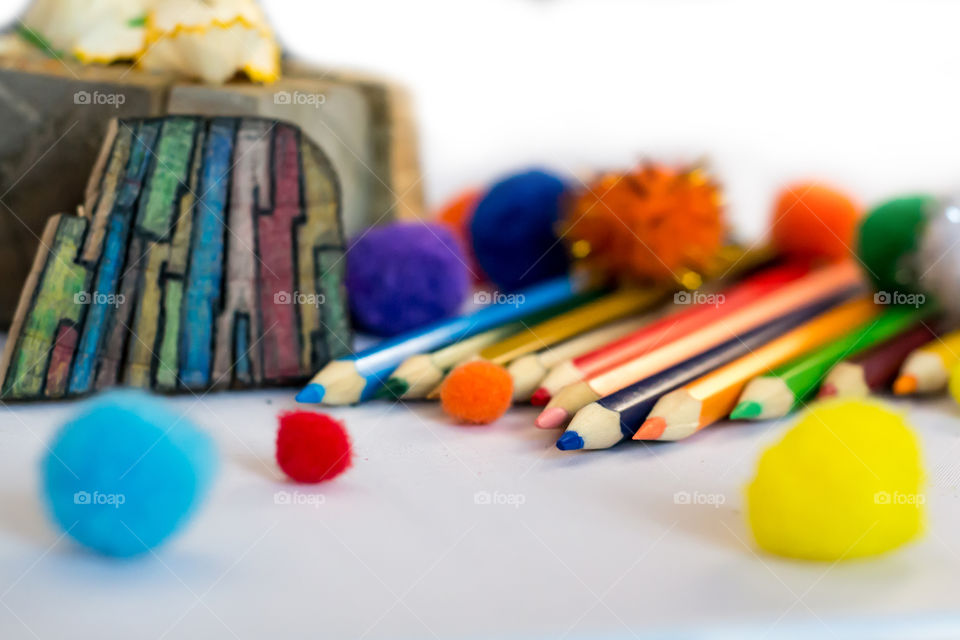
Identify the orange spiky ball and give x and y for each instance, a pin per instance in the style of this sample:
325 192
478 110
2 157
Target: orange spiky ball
651 223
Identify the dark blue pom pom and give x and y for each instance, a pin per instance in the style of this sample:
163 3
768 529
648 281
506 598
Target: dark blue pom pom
403 276
514 230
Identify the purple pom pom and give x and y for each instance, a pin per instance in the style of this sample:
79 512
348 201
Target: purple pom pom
403 276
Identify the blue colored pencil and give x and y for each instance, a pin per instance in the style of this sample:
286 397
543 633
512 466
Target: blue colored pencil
357 378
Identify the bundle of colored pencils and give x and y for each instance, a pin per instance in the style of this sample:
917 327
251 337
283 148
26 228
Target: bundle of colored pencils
615 365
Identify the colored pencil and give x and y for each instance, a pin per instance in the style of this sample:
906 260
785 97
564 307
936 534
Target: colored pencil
822 284
674 325
356 378
928 368
528 371
419 374
604 423
873 370
686 410
613 306
778 392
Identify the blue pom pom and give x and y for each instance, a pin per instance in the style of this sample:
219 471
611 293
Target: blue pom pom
514 230
126 473
403 276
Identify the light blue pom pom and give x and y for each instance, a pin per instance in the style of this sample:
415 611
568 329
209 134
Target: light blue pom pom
124 474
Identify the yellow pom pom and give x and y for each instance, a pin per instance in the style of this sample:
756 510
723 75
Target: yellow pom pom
845 482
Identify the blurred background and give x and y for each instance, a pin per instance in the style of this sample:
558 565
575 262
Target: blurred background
863 94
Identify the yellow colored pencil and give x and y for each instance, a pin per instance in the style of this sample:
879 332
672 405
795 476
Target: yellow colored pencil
927 369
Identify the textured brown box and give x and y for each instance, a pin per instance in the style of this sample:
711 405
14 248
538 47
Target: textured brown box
53 116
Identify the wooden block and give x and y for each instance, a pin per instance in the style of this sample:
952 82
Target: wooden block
208 253
55 114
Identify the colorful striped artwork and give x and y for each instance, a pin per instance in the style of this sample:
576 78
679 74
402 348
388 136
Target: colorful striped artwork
208 254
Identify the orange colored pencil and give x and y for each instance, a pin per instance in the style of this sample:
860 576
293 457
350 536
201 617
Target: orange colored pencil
828 282
683 412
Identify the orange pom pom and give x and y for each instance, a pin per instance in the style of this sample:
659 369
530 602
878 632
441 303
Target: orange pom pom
814 221
650 223
456 215
477 392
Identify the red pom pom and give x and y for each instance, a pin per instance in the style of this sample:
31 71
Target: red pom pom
312 447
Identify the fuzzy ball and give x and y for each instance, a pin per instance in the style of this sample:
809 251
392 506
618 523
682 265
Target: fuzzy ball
888 239
477 392
312 447
405 275
457 215
937 260
126 472
845 482
814 221
649 223
513 230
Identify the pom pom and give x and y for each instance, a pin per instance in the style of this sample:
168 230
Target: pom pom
312 447
937 260
888 239
843 483
126 472
814 221
403 276
514 230
477 392
650 223
457 215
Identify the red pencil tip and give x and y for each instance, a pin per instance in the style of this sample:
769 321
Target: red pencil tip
651 429
540 397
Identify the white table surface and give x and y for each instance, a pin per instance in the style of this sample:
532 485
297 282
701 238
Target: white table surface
593 545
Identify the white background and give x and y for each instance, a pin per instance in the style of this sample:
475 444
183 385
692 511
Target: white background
863 94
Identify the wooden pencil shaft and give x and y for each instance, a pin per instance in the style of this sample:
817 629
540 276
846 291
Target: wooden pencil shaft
821 285
719 390
686 320
635 402
881 364
610 307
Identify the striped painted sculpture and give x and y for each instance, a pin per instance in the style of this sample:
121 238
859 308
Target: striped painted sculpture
208 254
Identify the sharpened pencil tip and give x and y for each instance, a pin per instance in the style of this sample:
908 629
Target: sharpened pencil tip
651 429
570 441
746 410
311 394
552 418
540 397
393 388
828 390
904 385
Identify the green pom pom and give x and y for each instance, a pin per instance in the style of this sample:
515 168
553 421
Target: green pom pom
888 240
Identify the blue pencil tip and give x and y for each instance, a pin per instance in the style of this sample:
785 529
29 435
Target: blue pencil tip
311 394
570 441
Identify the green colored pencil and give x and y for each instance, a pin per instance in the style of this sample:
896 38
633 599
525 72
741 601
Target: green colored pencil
777 393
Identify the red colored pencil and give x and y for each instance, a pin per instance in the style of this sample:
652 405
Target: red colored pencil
668 328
